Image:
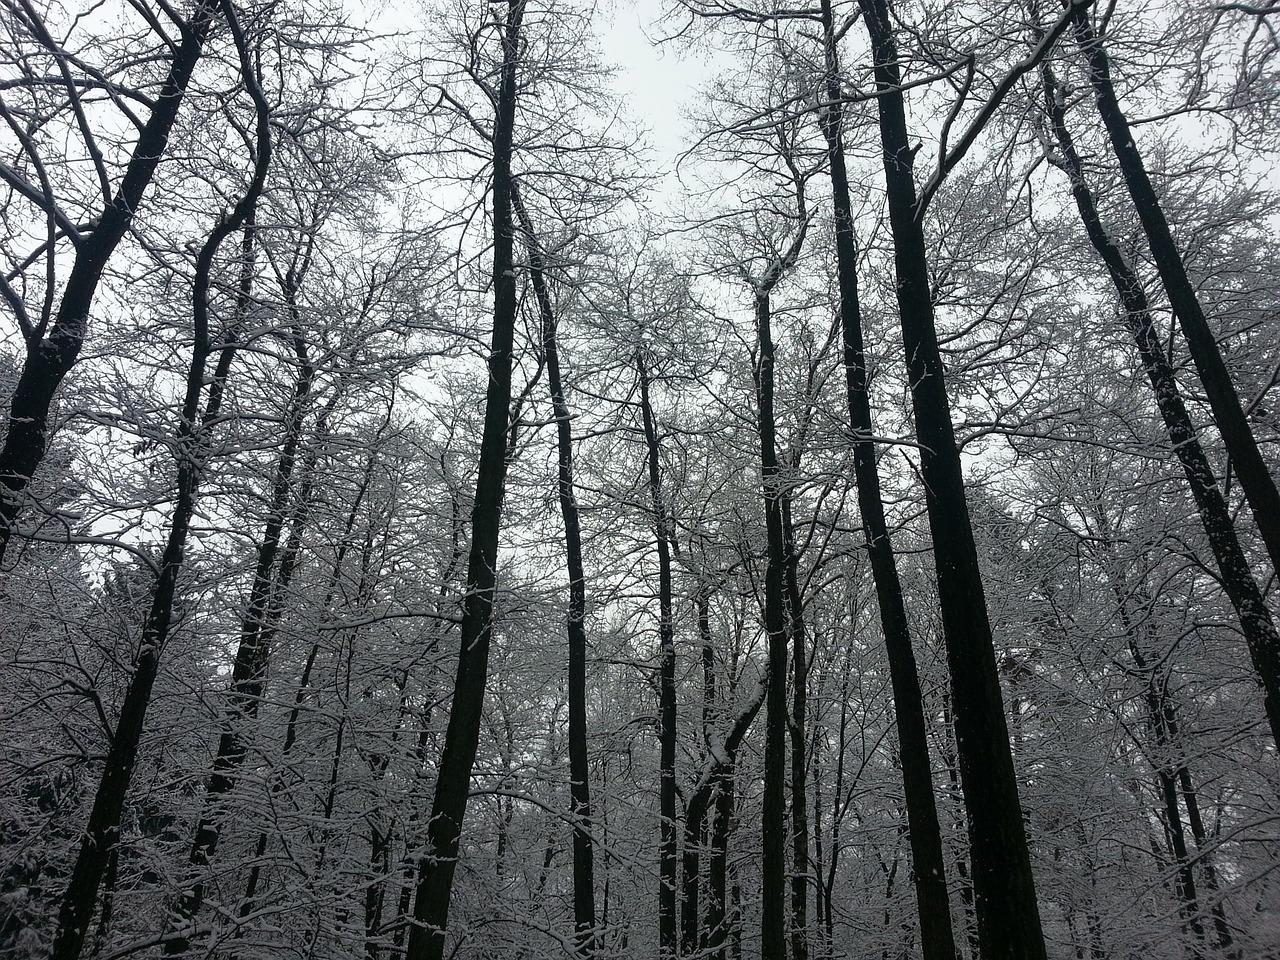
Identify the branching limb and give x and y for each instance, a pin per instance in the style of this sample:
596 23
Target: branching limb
948 160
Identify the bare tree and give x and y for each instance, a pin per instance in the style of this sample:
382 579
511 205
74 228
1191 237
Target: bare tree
190 443
453 778
92 229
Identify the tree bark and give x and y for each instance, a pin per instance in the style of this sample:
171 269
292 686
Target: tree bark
1255 477
773 938
584 902
925 834
696 832
1235 574
668 865
800 867
723 921
1008 913
462 735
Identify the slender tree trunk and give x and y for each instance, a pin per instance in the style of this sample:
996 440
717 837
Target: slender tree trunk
1235 573
708 797
774 863
1203 854
1255 478
52 353
773 881
820 904
190 448
584 900
695 839
1185 883
696 832
668 864
722 911
925 834
800 867
1008 913
462 736
248 675
1161 712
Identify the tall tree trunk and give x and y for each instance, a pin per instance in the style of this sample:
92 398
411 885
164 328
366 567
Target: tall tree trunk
248 675
1185 883
720 914
723 921
695 840
1203 853
53 352
925 834
800 867
462 736
190 445
1255 478
773 942
696 832
1008 914
668 866
1235 574
584 898
287 564
1141 636
777 603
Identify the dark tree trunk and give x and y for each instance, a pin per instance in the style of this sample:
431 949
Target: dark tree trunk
820 903
925 834
800 867
190 447
1007 910
779 606
109 878
1255 478
713 796
462 736
773 943
1235 574
695 839
692 935
1185 883
376 893
668 865
1203 854
52 353
248 675
723 922
584 900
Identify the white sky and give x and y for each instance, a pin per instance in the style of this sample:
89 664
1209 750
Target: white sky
657 81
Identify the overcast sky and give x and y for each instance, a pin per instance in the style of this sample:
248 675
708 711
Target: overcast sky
657 79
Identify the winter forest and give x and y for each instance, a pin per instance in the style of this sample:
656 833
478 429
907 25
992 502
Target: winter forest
443 516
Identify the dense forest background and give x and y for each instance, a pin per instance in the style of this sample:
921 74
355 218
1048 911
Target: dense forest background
853 537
